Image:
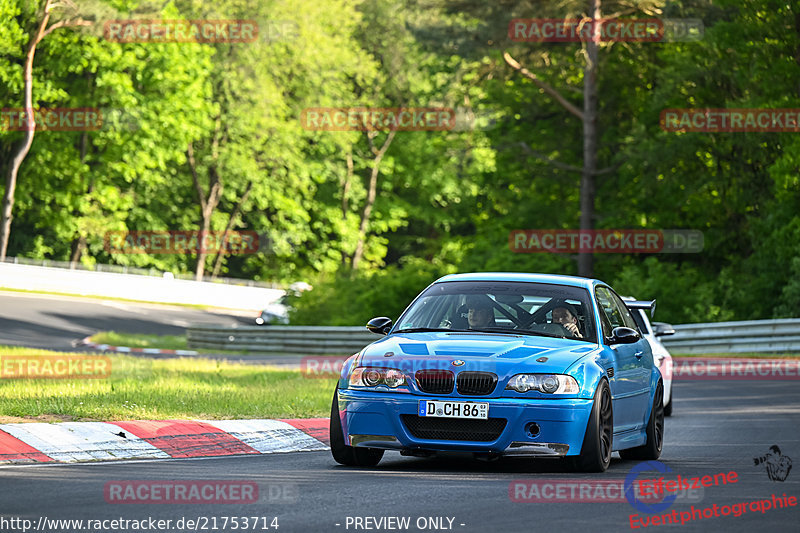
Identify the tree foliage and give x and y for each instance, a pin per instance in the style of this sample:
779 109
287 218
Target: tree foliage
221 122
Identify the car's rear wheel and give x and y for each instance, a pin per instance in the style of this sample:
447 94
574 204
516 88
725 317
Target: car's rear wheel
342 453
651 449
668 407
595 453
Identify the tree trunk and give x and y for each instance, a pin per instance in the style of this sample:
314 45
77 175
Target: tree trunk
77 246
345 192
202 253
207 206
228 227
371 194
587 194
588 117
7 209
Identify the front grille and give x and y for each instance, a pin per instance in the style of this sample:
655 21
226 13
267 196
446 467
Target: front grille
435 381
476 383
431 428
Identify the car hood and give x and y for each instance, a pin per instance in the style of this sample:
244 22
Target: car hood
501 354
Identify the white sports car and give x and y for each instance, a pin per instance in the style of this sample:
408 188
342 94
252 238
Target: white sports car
652 332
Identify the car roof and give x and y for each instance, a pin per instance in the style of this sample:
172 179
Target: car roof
554 279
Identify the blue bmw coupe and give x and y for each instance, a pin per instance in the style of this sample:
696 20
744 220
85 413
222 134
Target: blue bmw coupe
503 364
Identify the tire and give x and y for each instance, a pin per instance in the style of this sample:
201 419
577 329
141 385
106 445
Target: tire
651 450
595 453
668 407
344 454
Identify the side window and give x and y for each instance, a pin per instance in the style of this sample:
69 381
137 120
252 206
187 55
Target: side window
613 312
627 318
609 308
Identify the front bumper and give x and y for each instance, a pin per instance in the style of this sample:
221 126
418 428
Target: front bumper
376 420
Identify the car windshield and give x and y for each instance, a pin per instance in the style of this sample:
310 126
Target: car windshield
523 308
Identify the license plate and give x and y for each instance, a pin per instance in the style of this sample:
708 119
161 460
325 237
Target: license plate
443 409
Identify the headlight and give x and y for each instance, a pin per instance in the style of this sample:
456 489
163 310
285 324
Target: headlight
394 378
549 384
372 377
546 383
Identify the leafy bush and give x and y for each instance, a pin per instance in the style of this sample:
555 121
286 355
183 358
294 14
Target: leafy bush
351 298
684 295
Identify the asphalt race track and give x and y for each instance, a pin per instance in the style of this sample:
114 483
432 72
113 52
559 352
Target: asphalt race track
53 322
718 427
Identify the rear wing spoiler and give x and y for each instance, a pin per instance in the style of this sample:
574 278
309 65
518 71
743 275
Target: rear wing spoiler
642 304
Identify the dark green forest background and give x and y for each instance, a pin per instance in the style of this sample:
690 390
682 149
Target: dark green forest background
183 120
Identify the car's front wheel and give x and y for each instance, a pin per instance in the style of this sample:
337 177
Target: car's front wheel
651 450
344 454
596 449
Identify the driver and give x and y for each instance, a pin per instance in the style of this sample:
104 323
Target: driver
481 312
566 315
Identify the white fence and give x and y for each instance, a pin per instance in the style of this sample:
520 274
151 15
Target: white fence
136 287
122 269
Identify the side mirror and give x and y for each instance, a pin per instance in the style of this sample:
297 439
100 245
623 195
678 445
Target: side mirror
380 325
623 336
661 329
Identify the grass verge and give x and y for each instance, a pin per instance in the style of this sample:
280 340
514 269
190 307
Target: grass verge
142 388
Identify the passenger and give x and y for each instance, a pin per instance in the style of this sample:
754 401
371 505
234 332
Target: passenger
566 315
480 312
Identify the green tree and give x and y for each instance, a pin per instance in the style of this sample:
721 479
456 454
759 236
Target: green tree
41 27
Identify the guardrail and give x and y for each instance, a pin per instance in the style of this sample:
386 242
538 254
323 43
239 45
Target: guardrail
756 336
282 340
753 336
